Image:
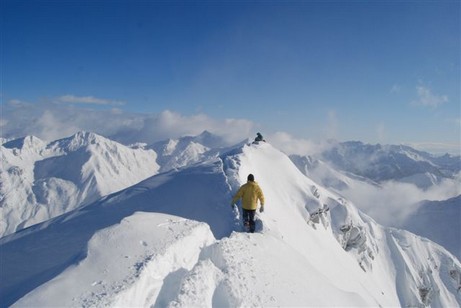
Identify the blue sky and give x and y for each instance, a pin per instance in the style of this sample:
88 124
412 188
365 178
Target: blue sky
375 71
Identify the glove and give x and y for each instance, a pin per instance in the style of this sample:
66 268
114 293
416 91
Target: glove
261 209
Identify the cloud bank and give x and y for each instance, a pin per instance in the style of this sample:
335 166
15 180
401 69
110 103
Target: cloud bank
392 202
72 99
298 146
53 120
68 114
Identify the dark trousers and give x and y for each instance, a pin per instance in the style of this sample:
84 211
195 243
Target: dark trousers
249 219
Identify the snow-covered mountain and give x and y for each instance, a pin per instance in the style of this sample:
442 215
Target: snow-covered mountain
394 197
185 151
391 162
324 173
173 240
40 181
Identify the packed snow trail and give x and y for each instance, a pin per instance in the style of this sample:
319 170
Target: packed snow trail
171 241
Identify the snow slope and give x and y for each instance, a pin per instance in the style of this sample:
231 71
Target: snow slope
326 175
40 181
401 202
446 215
173 240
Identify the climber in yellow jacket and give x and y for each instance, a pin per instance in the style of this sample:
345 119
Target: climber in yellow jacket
250 193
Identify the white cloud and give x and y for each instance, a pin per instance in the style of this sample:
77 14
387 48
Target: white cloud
169 124
290 144
332 125
50 126
18 103
50 121
427 98
299 146
392 202
381 132
72 99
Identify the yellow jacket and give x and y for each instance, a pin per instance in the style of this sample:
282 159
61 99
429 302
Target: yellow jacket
249 193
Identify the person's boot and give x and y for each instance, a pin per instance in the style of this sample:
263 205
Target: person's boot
252 227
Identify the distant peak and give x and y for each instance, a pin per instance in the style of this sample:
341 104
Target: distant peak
24 142
210 140
83 138
206 133
80 139
85 135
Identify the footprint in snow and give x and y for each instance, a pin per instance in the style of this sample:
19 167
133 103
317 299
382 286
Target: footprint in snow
143 243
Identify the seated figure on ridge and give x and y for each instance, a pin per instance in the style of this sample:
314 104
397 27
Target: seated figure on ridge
259 138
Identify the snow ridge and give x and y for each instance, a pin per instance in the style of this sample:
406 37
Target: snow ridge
173 240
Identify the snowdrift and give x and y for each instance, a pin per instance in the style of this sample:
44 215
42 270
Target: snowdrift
174 240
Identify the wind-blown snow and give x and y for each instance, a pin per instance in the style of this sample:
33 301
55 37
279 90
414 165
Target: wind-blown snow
174 240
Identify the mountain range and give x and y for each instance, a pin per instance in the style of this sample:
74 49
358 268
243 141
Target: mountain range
42 180
395 185
152 225
380 163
